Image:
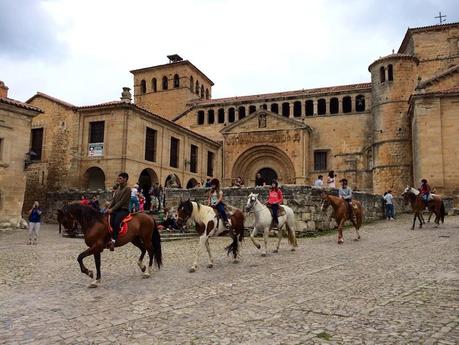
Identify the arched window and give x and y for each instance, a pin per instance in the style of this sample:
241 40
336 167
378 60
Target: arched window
334 105
191 84
286 109
200 117
143 86
165 83
241 111
309 108
207 94
197 88
360 103
210 117
390 73
321 107
221 115
231 115
252 109
347 104
264 106
154 85
297 109
202 91
382 74
275 108
176 81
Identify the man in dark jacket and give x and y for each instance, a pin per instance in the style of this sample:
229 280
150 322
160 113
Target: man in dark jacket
119 207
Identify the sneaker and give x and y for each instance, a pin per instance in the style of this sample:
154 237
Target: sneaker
111 245
392 218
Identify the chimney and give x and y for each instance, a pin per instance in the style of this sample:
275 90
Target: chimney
3 90
126 95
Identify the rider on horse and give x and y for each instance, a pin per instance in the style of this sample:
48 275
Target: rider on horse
275 198
215 200
345 193
119 207
425 191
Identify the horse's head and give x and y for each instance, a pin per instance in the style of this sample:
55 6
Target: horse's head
325 201
66 218
184 210
251 201
409 194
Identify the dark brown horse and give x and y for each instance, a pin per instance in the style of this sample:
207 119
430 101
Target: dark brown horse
341 213
435 205
207 225
142 232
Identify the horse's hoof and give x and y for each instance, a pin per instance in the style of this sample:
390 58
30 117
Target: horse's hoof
143 268
275 251
146 275
258 246
90 274
263 254
94 284
210 265
293 249
340 241
357 239
192 270
235 261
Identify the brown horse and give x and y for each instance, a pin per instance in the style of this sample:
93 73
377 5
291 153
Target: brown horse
341 214
436 206
208 225
142 232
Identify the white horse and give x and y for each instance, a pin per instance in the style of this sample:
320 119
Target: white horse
207 225
263 221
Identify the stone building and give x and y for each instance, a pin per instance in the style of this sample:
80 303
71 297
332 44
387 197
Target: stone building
15 124
385 134
85 147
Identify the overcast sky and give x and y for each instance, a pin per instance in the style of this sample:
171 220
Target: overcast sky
82 51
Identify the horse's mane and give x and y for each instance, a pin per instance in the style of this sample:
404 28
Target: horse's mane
85 215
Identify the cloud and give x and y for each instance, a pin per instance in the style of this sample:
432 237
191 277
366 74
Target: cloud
28 32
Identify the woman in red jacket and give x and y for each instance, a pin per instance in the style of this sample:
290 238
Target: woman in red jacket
275 198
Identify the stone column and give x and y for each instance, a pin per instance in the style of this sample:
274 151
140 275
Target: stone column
315 107
225 111
290 109
327 106
340 105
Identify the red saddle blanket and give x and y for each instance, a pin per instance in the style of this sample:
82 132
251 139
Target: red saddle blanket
124 225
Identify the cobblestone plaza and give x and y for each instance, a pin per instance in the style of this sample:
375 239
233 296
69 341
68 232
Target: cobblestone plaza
395 286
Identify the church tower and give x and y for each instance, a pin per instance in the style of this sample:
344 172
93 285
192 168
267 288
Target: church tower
167 89
393 78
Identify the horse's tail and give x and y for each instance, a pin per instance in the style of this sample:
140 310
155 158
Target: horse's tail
290 224
442 211
156 244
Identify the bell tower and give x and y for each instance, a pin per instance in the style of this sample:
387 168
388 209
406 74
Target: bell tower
167 89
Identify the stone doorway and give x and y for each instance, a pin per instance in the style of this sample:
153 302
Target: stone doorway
147 179
94 179
268 175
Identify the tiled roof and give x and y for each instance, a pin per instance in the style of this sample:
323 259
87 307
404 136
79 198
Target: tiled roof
54 99
19 104
100 105
296 93
395 56
411 31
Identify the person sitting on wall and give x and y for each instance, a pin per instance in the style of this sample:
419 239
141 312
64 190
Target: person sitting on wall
239 182
119 207
319 183
259 181
215 200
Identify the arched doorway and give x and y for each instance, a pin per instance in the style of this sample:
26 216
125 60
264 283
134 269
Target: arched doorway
265 159
94 178
147 179
192 183
268 175
172 181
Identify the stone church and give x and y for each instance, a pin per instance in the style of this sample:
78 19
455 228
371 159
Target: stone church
399 127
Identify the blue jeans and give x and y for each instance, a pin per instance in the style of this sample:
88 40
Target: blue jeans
134 202
389 211
221 211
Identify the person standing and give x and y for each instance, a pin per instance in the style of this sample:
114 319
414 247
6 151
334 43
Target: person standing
275 198
34 223
84 201
94 203
119 207
331 179
389 199
319 182
134 202
259 181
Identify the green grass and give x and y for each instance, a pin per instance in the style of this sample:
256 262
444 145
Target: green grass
324 336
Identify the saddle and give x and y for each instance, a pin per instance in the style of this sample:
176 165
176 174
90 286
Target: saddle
281 211
124 225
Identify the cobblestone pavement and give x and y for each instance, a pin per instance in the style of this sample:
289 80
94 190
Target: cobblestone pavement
395 286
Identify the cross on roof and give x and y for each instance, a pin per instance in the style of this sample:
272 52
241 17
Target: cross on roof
440 17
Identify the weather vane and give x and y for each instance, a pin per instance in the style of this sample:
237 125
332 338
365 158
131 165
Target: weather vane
440 17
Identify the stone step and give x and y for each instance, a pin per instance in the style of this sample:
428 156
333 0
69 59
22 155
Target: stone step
169 239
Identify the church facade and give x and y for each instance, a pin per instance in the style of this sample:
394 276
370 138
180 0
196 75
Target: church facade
385 134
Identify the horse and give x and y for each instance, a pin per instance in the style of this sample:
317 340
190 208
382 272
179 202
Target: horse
341 214
142 232
263 221
435 205
208 225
